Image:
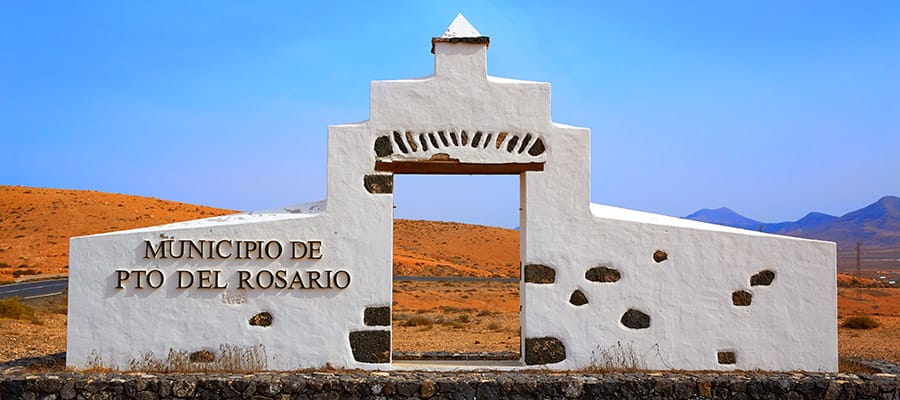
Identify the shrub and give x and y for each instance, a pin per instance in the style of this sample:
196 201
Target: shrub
20 272
11 307
860 322
418 320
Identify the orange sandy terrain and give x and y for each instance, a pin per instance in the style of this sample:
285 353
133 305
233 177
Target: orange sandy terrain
434 248
35 225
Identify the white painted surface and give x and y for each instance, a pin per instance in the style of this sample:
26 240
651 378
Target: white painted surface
460 27
790 324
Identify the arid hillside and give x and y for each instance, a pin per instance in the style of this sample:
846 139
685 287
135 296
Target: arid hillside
36 223
453 249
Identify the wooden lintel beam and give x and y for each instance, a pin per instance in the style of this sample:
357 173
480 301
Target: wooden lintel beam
455 168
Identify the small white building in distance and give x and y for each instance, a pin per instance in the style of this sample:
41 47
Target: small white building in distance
311 286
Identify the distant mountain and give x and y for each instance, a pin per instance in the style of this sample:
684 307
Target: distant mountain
725 216
875 226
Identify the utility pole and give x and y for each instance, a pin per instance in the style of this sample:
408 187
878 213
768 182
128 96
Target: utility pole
858 274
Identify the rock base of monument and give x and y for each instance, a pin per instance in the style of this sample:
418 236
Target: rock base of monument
482 385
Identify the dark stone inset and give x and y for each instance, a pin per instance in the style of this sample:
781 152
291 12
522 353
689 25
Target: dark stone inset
465 138
433 140
454 139
476 139
203 356
537 149
379 184
412 141
602 274
660 256
741 298
762 278
635 319
399 140
443 138
726 357
383 146
262 319
371 346
500 137
545 350
487 140
577 298
512 144
525 142
536 273
377 316
423 142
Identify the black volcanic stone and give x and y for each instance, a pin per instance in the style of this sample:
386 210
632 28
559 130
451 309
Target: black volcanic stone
536 273
379 184
635 319
762 278
544 350
602 274
741 298
577 298
537 148
371 346
377 316
383 146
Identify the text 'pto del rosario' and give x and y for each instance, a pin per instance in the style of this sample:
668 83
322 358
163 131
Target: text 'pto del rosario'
241 251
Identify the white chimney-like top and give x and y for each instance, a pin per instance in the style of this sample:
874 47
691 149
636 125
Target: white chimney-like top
460 31
459 28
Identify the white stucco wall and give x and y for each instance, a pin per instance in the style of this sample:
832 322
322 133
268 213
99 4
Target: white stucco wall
790 324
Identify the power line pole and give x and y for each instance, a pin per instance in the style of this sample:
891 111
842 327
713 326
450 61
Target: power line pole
858 274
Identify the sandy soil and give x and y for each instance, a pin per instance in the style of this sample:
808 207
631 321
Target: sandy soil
869 301
456 316
882 343
45 333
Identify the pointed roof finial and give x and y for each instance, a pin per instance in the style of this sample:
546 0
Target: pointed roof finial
460 27
461 31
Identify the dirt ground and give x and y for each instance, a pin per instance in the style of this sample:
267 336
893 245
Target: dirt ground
456 317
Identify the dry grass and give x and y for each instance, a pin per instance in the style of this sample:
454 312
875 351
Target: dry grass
616 358
228 358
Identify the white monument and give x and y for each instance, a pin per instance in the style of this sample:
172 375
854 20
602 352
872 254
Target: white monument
312 285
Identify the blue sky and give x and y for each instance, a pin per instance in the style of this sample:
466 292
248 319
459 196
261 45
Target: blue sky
770 108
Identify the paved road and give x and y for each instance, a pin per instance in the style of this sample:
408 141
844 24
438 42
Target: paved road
30 290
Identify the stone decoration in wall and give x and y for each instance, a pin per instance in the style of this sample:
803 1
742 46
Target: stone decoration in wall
322 270
762 278
448 145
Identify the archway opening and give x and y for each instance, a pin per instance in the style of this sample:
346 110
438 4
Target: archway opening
456 290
